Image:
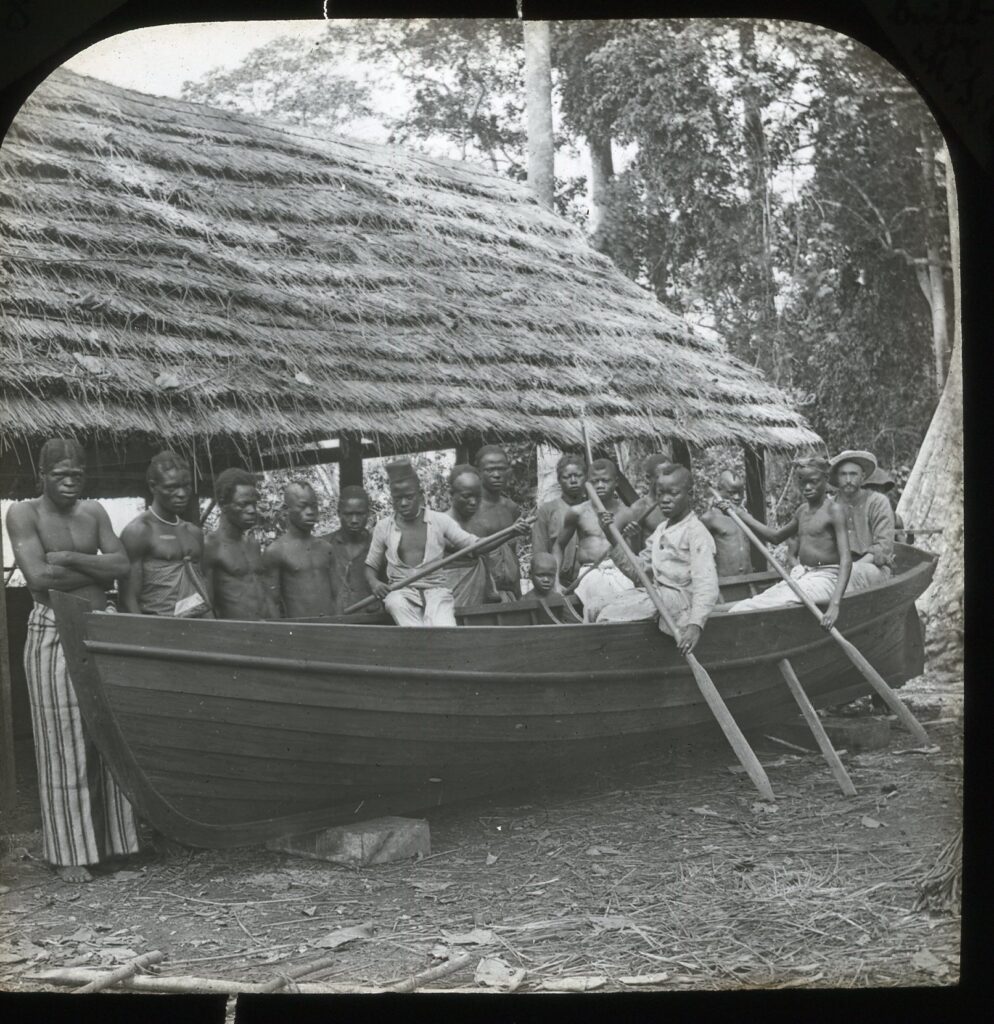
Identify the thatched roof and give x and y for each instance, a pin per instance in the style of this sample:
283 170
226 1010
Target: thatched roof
182 274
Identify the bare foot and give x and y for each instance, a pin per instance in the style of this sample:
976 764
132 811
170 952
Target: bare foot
74 873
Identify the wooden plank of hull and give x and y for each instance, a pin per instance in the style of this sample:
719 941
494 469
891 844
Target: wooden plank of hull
221 755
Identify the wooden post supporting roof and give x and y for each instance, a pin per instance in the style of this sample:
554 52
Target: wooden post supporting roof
755 481
349 461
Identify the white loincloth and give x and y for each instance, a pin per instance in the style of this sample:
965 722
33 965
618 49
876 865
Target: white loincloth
600 586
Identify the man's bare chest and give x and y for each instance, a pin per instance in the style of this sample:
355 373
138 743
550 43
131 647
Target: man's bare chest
306 557
240 558
173 543
76 532
815 522
413 540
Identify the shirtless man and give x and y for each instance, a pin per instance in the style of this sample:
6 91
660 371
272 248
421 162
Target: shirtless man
298 564
824 561
349 547
571 471
496 512
165 551
407 540
639 520
601 581
64 543
232 560
470 579
733 556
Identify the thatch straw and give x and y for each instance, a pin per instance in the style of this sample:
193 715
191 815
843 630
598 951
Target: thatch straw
177 272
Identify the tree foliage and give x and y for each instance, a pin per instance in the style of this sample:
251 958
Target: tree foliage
290 79
775 182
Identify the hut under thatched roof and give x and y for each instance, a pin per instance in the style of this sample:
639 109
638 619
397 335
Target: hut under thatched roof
174 274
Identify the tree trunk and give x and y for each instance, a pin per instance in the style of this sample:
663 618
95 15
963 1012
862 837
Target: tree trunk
601 173
760 216
933 495
538 104
931 279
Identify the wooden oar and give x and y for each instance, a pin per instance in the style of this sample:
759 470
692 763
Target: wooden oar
590 568
817 729
870 674
708 690
494 540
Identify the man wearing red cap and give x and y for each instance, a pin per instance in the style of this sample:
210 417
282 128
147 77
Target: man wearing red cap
868 515
409 539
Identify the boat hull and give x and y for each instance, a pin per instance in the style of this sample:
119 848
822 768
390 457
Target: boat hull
227 733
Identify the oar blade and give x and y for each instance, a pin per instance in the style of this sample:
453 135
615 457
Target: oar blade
730 728
889 697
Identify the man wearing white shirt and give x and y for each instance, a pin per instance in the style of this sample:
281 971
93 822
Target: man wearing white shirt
411 538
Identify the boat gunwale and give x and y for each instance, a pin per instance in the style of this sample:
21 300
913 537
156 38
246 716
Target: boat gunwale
536 676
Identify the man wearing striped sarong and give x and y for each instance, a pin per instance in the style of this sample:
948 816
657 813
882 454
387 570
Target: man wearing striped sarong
63 543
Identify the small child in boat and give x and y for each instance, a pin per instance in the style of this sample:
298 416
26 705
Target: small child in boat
678 558
543 574
824 559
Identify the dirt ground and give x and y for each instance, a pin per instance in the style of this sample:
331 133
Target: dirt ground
668 874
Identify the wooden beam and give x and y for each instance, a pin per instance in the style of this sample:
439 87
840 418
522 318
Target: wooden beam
755 481
680 452
8 779
817 729
350 461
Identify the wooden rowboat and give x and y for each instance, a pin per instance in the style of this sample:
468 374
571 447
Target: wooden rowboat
225 733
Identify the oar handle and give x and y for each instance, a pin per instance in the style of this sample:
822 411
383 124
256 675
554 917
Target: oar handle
494 540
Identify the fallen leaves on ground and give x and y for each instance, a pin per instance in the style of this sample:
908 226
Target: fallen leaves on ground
343 936
476 937
493 972
583 984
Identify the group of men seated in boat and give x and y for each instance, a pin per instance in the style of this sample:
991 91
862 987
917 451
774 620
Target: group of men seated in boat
839 542
165 566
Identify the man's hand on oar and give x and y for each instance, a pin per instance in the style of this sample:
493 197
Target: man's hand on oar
688 639
723 505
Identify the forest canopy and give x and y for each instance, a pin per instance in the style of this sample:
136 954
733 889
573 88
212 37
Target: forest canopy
775 182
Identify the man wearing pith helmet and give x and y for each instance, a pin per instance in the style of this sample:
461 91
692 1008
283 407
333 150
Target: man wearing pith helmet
868 515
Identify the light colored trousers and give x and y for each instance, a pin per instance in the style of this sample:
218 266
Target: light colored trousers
818 583
412 606
636 604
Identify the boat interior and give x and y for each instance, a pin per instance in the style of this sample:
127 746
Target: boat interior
530 611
